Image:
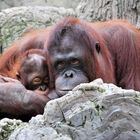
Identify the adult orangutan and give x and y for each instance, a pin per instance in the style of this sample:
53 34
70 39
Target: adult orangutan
77 54
80 52
25 62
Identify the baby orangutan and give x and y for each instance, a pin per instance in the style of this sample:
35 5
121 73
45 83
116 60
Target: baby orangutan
32 71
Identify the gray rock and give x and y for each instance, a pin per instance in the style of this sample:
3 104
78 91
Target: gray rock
15 21
37 133
58 3
100 10
64 3
7 126
93 110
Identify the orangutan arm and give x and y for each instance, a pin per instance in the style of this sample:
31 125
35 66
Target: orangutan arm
17 101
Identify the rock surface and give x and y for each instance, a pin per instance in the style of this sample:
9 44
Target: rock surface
15 21
7 126
64 3
95 110
100 10
59 3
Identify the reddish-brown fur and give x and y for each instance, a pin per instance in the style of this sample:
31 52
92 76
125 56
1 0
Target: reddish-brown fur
97 65
120 46
27 103
9 60
123 41
120 51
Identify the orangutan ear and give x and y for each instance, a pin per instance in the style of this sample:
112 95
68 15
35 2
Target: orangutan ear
97 46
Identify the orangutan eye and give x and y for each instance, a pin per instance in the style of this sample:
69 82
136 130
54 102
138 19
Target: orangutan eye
37 80
75 62
60 65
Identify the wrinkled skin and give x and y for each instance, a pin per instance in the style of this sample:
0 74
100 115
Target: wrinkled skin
77 54
69 66
80 52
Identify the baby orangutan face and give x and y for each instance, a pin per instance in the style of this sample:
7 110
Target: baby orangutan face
33 72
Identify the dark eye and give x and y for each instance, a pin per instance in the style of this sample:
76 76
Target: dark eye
37 80
60 65
75 62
